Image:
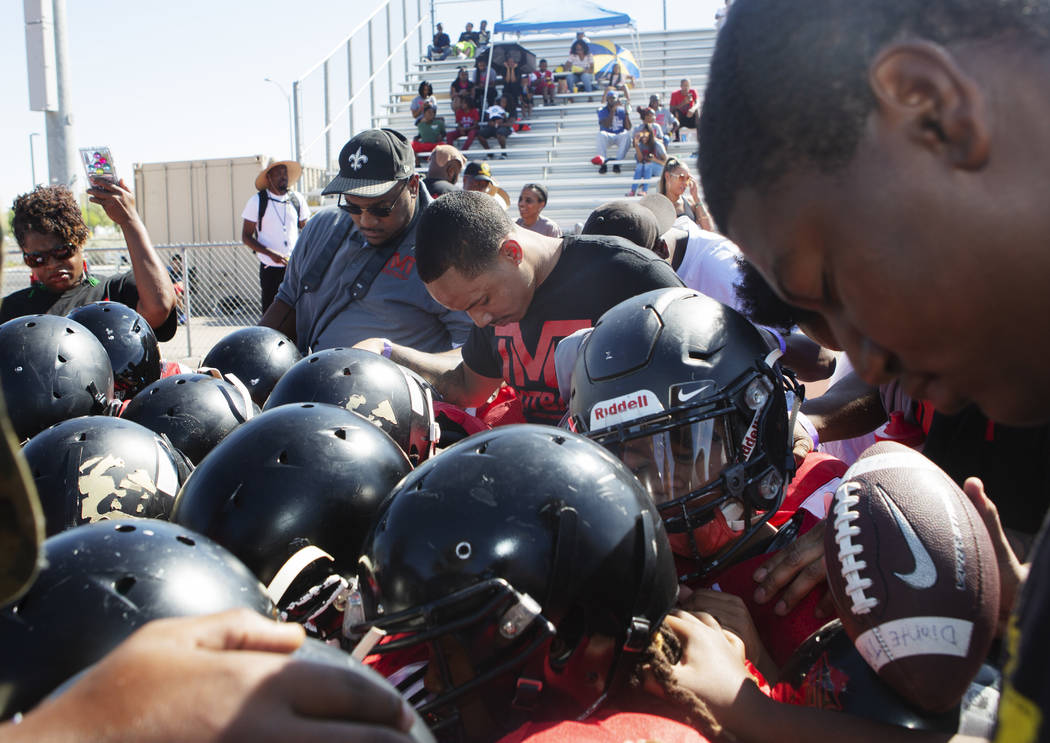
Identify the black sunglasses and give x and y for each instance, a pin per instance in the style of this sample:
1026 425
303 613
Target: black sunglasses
375 211
35 260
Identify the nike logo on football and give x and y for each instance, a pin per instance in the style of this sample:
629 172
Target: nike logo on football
925 573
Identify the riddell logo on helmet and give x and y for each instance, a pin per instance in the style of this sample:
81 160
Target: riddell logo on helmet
623 409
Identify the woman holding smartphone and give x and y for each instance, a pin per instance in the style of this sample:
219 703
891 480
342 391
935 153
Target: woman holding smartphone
50 230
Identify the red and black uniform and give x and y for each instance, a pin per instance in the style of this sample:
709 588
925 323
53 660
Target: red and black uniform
806 501
593 274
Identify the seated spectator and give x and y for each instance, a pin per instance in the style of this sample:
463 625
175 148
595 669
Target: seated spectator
441 46
469 34
484 36
431 133
424 99
467 120
621 82
674 181
496 125
49 228
484 86
541 83
468 43
478 177
461 86
513 90
685 105
580 66
614 127
648 117
446 163
648 153
530 203
668 123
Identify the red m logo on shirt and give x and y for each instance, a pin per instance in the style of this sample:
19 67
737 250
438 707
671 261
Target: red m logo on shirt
520 367
399 266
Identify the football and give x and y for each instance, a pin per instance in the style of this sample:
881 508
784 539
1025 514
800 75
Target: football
913 574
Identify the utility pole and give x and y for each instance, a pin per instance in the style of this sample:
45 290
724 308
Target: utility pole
61 145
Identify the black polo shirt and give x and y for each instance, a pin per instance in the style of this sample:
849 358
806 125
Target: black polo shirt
38 300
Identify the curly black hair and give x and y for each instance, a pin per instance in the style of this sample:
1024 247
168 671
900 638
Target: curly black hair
50 210
788 82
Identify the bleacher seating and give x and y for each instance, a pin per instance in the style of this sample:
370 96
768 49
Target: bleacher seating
560 142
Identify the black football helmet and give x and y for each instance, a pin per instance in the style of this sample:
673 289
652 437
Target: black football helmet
393 398
528 554
95 467
100 583
129 341
300 481
195 411
686 392
256 355
51 369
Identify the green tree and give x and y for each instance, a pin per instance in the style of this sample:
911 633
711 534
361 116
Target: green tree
95 216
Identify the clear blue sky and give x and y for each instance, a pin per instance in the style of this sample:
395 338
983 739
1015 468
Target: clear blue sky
160 81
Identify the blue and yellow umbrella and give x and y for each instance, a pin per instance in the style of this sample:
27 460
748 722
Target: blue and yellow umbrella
607 54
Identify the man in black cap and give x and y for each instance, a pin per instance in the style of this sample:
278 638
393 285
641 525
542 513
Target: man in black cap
478 177
352 275
642 222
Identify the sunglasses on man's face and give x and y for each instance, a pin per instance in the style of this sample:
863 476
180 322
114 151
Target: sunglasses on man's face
375 211
61 253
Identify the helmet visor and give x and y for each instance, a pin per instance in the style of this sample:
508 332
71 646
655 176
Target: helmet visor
675 463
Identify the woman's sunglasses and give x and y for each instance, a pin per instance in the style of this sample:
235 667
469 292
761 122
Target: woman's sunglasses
61 253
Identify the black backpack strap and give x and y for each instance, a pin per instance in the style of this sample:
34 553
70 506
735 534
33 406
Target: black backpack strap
263 198
295 203
359 288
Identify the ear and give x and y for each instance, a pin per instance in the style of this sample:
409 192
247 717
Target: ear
511 249
920 87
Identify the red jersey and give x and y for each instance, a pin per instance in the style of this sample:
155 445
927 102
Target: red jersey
540 79
809 492
467 118
607 726
678 99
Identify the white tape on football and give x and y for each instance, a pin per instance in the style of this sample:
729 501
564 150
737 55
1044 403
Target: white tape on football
910 460
624 409
910 636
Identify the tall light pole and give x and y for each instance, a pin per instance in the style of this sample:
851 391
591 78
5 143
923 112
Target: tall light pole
32 157
291 131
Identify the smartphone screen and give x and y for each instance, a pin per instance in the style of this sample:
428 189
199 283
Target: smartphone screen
98 163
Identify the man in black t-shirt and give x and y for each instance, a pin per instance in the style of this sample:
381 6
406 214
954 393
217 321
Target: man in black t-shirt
50 229
524 292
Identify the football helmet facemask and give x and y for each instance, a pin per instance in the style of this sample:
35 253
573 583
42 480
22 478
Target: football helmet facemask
686 392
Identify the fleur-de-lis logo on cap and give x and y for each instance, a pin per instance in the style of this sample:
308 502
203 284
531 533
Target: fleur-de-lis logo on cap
357 160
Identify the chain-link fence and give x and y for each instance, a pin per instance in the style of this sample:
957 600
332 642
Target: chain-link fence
219 286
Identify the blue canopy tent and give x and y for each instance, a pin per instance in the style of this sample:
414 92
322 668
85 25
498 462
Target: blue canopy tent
559 17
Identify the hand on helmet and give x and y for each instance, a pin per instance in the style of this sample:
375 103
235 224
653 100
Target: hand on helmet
222 677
